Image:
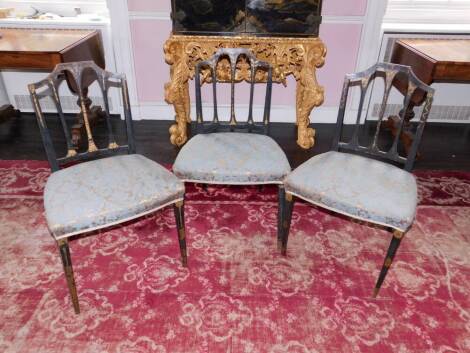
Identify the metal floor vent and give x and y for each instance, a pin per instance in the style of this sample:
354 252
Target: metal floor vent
438 112
69 103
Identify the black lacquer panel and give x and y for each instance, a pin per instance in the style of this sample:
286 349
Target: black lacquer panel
208 16
255 17
297 17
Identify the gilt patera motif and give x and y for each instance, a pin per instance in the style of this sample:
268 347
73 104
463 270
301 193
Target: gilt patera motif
299 57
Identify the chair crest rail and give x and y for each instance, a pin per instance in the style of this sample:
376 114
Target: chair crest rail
76 72
388 72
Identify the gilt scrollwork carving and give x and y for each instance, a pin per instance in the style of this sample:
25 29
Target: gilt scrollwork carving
299 57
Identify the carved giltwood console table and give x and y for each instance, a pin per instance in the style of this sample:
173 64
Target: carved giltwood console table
299 57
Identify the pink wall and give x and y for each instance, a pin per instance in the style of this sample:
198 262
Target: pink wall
341 39
152 71
342 42
149 5
148 38
344 7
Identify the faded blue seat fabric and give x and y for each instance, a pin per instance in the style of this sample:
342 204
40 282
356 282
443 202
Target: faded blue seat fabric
356 186
102 192
232 158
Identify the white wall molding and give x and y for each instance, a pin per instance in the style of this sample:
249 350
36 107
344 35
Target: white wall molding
371 34
122 44
428 12
66 22
343 19
371 38
149 15
61 7
443 28
165 16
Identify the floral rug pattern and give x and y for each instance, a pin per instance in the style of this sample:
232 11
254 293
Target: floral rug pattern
238 295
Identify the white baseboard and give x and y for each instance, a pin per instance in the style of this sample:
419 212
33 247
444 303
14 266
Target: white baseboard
279 113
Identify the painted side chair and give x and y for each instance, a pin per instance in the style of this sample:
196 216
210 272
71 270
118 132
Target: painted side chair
353 179
233 152
119 186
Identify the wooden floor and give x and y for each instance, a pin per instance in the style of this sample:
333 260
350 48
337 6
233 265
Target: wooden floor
444 146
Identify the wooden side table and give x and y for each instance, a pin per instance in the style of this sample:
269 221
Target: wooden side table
299 57
43 49
432 60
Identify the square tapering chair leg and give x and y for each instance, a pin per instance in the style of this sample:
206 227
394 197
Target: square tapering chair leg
288 208
280 216
179 215
392 250
67 263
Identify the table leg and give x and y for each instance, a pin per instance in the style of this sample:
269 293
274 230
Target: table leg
181 103
309 95
177 90
95 115
305 134
407 136
8 112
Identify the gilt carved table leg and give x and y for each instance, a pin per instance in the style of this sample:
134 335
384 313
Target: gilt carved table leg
309 94
177 91
182 106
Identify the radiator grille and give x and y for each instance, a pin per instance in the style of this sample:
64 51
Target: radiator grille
438 112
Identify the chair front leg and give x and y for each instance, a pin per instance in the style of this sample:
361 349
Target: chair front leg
67 263
280 216
288 208
178 207
392 250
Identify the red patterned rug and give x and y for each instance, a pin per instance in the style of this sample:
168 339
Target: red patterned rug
239 294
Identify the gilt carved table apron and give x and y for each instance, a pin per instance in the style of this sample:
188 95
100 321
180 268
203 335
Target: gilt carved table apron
299 57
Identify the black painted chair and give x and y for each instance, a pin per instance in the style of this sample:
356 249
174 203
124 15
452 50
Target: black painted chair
233 152
359 183
84 197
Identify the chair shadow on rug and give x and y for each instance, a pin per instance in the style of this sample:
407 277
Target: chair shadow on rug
84 197
353 179
233 152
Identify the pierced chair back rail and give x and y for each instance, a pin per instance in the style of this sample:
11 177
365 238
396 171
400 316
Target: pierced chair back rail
364 79
233 55
102 152
390 155
207 128
49 87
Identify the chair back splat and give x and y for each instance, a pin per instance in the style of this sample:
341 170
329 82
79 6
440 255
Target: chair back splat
77 73
243 65
390 73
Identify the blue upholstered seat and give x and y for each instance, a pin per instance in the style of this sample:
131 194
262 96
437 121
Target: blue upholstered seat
232 158
99 193
356 186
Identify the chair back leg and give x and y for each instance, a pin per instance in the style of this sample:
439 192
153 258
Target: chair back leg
392 250
288 208
179 215
67 263
280 216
